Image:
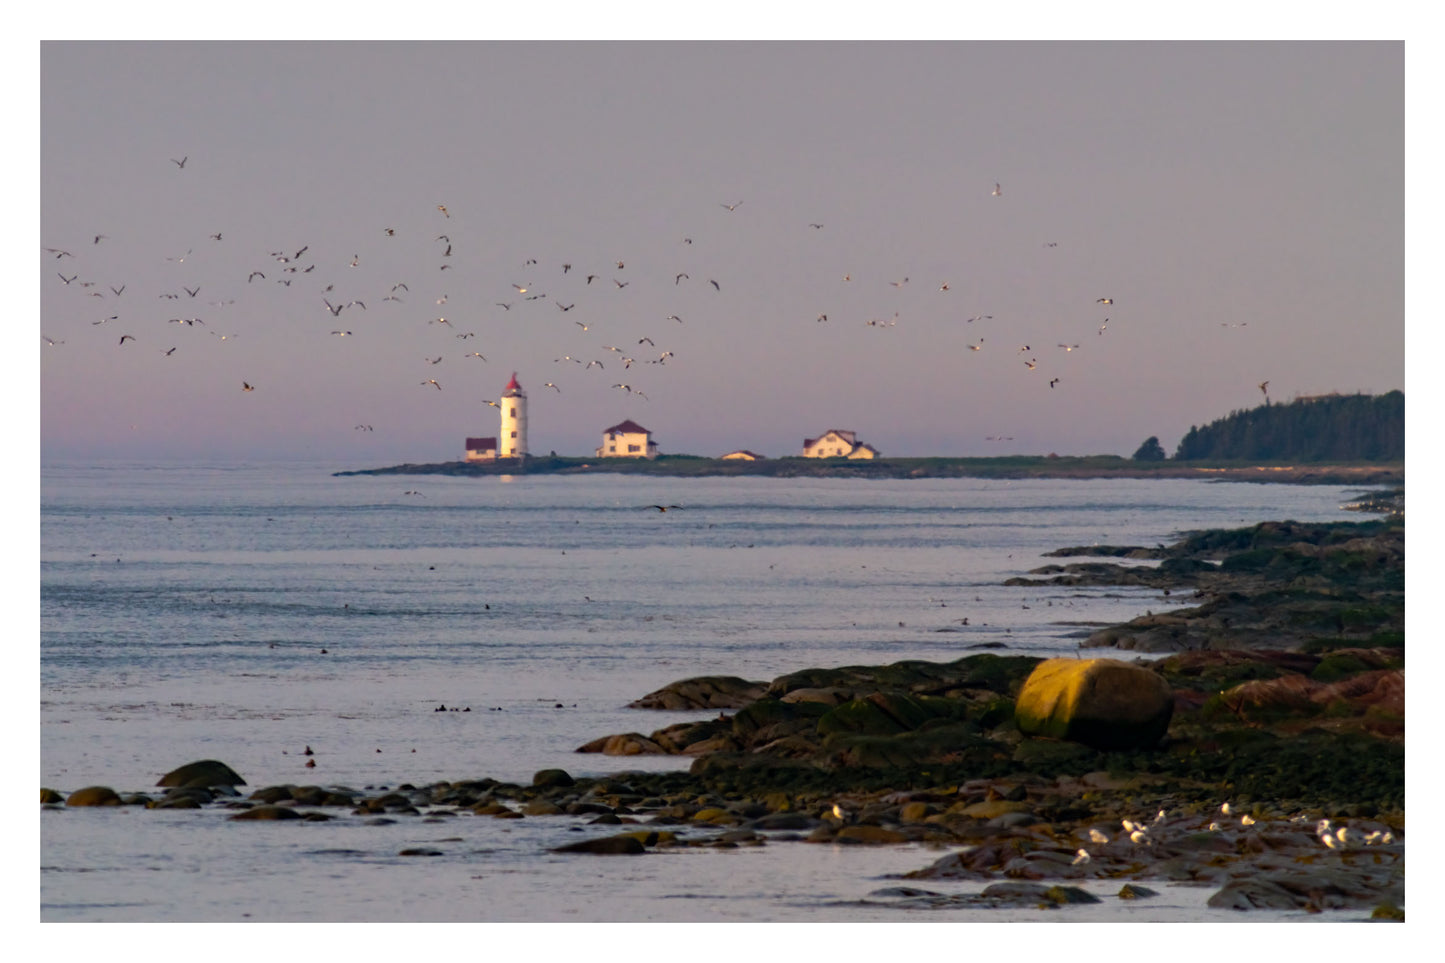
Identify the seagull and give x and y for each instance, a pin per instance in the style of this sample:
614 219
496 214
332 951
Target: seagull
1081 857
1104 301
443 209
67 280
648 340
441 321
628 388
436 360
58 252
673 317
678 278
591 363
551 385
716 286
581 325
100 237
1264 388
1103 326
732 207
432 381
364 428
247 386
662 508
822 317
620 284
943 286
51 341
118 290
254 276
976 347
1068 347
191 291
178 260
341 333
1098 836
492 403
997 191
566 307
816 227
182 162
520 288
474 354
1246 820
168 352
1031 365
504 305
1054 382
1224 810
389 231
899 284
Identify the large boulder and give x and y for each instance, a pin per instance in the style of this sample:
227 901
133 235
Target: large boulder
703 692
1101 703
93 796
207 772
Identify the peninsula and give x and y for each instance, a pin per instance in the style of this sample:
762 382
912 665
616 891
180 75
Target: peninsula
1011 466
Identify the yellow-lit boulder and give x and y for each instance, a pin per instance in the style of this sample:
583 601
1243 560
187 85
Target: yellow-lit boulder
1101 703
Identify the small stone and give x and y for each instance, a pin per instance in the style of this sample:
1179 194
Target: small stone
93 796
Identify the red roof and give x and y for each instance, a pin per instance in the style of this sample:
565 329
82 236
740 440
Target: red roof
481 444
628 427
512 385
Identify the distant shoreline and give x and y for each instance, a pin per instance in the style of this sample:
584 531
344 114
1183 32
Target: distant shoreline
1010 467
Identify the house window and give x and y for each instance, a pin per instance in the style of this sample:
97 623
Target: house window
634 447
514 434
611 447
512 413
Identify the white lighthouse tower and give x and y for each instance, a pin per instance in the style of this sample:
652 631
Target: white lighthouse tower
512 439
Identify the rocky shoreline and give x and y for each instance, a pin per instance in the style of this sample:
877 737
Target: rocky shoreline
1278 781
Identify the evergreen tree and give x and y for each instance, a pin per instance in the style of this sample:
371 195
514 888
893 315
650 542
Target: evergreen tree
1150 450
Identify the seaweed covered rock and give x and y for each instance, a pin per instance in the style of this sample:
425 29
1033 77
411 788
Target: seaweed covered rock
1101 703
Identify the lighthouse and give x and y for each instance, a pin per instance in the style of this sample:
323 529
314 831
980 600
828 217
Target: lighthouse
512 439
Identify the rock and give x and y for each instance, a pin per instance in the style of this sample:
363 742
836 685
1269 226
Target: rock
1256 893
542 807
420 852
1101 703
548 778
1130 891
703 692
624 744
50 796
607 845
93 796
870 835
207 772
268 812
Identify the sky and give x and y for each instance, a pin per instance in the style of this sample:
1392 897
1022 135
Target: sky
953 248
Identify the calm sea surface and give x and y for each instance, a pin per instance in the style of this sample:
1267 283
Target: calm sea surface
243 614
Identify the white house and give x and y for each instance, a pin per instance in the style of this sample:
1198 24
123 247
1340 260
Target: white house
836 443
627 439
742 454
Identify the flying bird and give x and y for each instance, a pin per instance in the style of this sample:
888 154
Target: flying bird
443 209
191 291
492 403
432 381
714 284
679 277
341 333
1104 301
997 191
663 508
551 385
1054 382
182 162
246 386
474 354
732 207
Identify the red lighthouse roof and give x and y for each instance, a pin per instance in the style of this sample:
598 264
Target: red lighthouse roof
512 385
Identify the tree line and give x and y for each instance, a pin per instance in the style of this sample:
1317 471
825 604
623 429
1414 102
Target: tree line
1330 427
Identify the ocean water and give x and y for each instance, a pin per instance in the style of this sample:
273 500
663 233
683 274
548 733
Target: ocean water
245 614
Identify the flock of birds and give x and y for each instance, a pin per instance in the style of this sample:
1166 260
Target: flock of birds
1140 833
342 285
